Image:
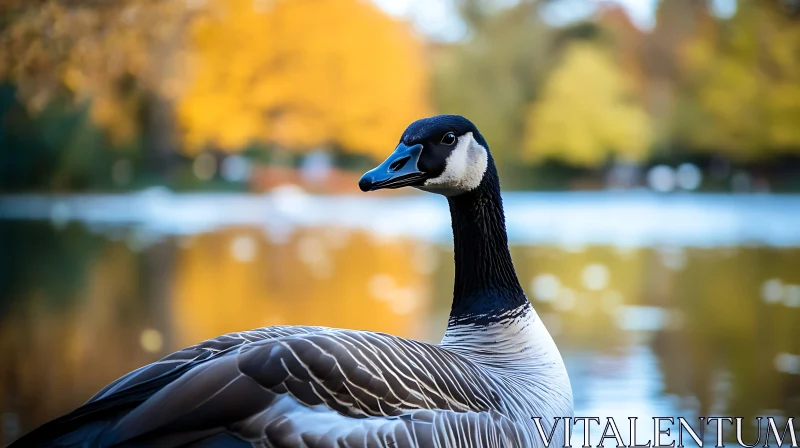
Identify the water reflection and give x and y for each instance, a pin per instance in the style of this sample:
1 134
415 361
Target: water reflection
653 331
236 279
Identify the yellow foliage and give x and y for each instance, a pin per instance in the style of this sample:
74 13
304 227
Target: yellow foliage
747 98
586 113
300 74
92 50
296 73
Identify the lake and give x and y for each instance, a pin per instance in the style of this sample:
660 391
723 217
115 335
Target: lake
661 305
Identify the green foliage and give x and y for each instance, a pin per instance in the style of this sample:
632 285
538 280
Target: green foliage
587 113
743 84
494 74
150 80
59 148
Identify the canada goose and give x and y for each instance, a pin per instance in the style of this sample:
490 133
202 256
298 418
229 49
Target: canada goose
496 368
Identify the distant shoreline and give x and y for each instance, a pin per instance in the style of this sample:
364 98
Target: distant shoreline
569 219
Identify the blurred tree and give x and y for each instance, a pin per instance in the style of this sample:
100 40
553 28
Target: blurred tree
105 52
120 58
301 74
159 76
678 22
625 43
742 84
587 113
298 74
494 74
57 148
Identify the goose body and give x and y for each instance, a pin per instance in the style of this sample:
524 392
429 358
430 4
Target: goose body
496 368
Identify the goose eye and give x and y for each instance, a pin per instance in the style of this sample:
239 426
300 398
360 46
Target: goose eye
449 139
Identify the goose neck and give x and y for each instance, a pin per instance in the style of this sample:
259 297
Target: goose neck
486 285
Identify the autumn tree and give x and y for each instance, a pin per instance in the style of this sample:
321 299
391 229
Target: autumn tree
742 95
301 74
93 50
119 60
495 72
298 74
586 113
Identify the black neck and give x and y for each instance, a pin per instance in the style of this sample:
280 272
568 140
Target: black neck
485 283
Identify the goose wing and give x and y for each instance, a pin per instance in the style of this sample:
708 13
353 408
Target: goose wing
205 350
318 389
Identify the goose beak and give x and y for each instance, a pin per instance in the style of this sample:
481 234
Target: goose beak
399 170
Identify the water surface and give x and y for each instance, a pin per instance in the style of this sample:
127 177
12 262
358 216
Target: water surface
694 315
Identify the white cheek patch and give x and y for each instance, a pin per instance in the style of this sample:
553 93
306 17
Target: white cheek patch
464 168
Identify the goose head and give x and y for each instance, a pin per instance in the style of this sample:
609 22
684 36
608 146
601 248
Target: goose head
444 154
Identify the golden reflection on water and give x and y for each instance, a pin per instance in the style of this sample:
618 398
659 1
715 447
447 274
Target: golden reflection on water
237 279
129 308
79 309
